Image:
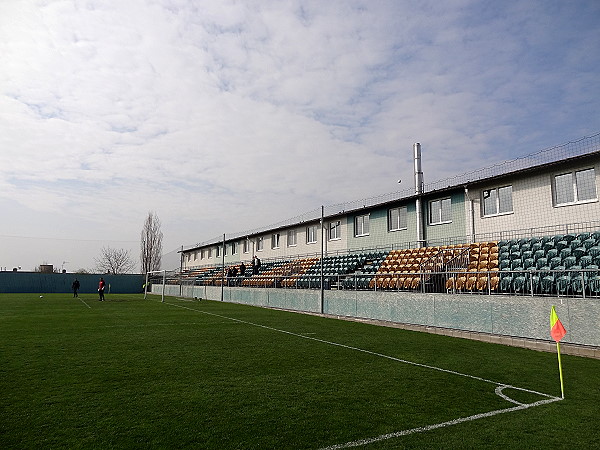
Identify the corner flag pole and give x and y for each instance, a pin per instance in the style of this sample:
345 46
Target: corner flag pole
557 331
562 388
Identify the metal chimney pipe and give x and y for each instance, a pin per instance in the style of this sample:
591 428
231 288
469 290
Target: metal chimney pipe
419 193
418 169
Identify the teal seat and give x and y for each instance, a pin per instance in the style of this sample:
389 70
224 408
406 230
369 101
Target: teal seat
594 251
551 253
574 244
569 261
579 252
540 253
585 261
555 262
565 252
560 245
588 243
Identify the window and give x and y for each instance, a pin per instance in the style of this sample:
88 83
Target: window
275 240
217 251
575 187
259 243
245 246
497 201
361 225
335 230
397 219
210 252
311 234
291 238
234 248
440 211
202 254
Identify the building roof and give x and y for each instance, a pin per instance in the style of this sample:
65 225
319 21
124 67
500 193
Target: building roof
572 150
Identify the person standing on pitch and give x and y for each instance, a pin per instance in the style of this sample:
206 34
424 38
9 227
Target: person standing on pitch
75 287
101 287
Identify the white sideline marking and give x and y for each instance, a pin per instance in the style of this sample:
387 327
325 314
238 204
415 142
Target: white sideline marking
498 390
81 300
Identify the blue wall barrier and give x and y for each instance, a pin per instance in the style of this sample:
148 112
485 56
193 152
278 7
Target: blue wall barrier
49 283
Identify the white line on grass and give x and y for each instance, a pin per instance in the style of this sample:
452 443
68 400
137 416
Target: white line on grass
435 426
81 300
499 386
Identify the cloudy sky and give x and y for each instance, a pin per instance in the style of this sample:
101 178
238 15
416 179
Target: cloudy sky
223 116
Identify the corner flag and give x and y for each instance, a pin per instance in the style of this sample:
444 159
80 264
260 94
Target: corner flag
557 331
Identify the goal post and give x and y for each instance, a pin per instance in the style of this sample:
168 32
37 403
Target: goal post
152 278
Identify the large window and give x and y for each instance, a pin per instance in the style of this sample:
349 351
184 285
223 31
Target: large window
218 251
397 219
234 248
246 246
311 234
259 243
575 187
335 230
497 201
440 211
275 240
361 225
291 238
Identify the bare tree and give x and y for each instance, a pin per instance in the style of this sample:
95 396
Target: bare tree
151 244
114 260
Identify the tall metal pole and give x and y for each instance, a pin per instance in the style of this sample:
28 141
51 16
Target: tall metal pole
322 256
419 193
223 271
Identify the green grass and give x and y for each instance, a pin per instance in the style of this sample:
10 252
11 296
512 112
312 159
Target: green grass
135 373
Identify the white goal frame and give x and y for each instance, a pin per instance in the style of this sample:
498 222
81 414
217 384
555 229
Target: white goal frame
164 280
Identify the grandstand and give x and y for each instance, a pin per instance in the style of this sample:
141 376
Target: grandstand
523 227
552 265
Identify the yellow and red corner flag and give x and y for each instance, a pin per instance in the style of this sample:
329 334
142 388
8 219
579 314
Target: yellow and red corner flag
557 331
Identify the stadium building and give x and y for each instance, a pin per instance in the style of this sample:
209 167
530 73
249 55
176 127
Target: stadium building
545 194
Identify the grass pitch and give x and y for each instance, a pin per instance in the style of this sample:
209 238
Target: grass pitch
135 373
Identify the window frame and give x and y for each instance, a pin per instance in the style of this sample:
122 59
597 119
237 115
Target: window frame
497 201
310 228
575 194
260 243
439 219
334 230
401 224
275 240
294 241
365 227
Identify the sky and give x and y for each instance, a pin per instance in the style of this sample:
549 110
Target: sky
222 116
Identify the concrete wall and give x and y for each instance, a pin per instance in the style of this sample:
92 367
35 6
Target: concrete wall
48 283
523 317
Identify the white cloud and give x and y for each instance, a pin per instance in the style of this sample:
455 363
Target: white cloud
224 116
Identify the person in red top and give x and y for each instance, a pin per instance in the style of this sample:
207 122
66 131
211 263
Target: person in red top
101 286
